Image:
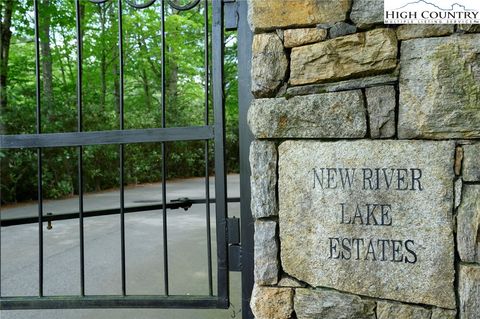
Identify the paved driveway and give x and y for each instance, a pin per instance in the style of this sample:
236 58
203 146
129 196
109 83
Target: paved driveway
187 252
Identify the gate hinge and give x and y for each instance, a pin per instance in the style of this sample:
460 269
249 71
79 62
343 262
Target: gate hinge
230 14
234 247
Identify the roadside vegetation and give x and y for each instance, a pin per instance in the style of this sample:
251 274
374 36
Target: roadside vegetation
184 93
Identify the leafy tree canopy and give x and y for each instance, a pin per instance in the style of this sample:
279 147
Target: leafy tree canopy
185 83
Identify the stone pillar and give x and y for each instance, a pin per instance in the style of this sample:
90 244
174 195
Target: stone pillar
366 163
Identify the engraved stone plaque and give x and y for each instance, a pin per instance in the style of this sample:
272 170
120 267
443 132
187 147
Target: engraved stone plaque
369 217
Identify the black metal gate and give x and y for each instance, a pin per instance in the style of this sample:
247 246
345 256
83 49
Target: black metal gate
213 130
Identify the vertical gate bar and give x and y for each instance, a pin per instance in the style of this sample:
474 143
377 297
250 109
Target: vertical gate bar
164 167
39 150
122 148
0 248
80 148
220 169
207 171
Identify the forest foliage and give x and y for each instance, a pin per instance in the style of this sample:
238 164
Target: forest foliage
184 92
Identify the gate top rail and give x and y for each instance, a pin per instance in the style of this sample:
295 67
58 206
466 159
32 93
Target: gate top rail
110 301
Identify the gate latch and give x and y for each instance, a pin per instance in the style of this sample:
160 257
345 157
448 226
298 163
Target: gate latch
234 247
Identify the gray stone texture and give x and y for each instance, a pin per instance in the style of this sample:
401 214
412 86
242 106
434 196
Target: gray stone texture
458 192
269 64
325 25
329 115
288 281
469 291
366 13
345 85
381 111
280 34
439 313
354 55
468 224
263 179
297 37
328 304
266 253
273 14
469 28
420 271
390 310
340 29
272 302
471 162
440 88
412 31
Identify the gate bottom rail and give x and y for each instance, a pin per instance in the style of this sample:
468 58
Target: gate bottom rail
112 301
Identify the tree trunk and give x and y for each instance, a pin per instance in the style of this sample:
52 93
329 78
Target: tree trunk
171 90
144 76
60 61
68 52
172 82
116 87
116 62
146 88
6 12
103 58
46 55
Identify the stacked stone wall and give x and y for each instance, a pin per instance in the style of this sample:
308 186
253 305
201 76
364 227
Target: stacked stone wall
365 165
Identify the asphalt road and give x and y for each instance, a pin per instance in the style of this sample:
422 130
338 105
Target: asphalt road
187 253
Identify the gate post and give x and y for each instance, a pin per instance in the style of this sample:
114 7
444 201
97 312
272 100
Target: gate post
365 178
244 100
